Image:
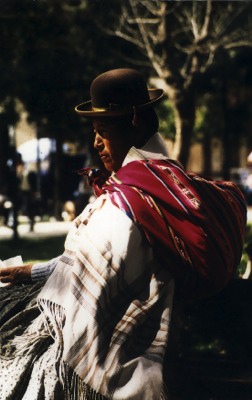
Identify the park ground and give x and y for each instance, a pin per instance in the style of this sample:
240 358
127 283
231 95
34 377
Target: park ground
221 321
52 228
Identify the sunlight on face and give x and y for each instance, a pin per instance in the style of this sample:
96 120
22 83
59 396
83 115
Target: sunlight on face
112 141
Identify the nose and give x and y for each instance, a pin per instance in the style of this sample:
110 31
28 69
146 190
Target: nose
98 142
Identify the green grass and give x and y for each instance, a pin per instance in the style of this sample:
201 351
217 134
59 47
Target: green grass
39 249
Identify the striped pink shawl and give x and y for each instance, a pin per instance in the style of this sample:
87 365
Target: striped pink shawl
196 226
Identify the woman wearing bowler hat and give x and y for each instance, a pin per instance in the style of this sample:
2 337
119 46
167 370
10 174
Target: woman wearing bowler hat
99 325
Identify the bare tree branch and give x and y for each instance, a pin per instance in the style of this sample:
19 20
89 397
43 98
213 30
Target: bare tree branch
241 43
224 22
150 7
128 38
180 39
145 38
206 25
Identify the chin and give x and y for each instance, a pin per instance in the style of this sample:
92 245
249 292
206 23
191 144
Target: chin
108 167
112 167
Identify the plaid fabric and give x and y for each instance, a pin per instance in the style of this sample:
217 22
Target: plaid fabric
116 303
105 310
196 226
103 324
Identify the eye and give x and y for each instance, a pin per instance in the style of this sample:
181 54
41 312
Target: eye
101 132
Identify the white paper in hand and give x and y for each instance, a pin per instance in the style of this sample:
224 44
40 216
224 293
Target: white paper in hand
10 262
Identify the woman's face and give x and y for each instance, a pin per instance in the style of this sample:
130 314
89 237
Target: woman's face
113 140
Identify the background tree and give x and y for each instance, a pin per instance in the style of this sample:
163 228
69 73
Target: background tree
50 53
180 41
225 94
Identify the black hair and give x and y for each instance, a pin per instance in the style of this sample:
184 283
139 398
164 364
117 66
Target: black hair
149 119
140 125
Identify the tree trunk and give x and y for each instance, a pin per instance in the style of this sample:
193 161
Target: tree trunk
8 176
57 178
207 152
184 110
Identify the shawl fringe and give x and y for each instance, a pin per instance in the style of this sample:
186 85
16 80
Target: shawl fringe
26 343
54 318
75 388
165 394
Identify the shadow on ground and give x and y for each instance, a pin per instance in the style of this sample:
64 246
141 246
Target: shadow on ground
41 249
210 355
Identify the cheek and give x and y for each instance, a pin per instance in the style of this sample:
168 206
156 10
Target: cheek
117 147
109 147
119 150
113 147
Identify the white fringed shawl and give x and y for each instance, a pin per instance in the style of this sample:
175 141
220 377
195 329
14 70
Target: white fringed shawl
108 305
104 321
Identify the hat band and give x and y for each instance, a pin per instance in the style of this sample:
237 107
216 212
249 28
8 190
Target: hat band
113 107
96 109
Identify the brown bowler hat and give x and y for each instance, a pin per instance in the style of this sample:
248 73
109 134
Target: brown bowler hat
118 92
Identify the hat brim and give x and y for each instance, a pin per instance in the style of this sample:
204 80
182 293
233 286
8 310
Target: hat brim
86 110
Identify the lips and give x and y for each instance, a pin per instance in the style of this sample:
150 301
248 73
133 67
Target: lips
103 157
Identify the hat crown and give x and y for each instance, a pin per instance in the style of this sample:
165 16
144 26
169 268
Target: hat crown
118 92
121 87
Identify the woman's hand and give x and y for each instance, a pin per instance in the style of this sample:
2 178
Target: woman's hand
16 274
